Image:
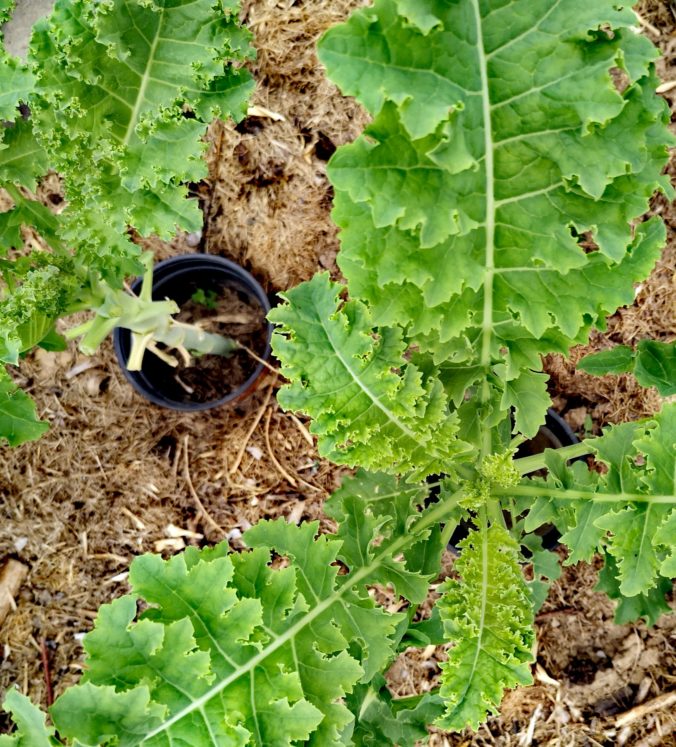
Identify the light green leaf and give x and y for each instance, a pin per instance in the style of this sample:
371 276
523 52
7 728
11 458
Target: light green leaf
487 613
650 605
28 313
530 400
633 545
233 649
227 96
627 511
23 160
666 535
585 535
498 138
383 720
30 721
53 342
26 213
6 8
16 83
96 715
656 366
226 653
370 406
18 420
362 623
372 509
619 359
114 96
653 363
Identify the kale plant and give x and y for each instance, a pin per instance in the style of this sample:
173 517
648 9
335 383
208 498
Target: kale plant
504 135
116 98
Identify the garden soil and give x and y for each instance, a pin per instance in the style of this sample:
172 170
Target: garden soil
116 477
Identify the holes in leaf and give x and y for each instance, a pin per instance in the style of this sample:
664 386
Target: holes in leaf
201 190
585 240
620 78
278 562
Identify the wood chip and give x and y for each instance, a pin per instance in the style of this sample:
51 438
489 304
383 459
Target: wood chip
80 368
666 86
261 111
175 544
661 702
175 532
12 575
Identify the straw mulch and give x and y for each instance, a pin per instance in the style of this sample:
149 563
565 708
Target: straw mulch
116 477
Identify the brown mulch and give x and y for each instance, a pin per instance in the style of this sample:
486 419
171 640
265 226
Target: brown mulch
115 476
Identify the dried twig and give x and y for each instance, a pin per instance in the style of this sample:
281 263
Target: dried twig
186 472
526 738
254 425
44 656
135 519
302 429
258 359
647 25
273 458
664 701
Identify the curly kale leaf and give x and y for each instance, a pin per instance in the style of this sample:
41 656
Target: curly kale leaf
127 74
18 420
629 512
271 646
232 649
488 614
120 95
499 139
653 363
28 313
372 509
370 405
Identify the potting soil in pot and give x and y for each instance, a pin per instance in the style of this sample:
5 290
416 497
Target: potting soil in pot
232 313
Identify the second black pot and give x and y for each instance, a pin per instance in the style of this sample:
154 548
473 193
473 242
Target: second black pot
178 279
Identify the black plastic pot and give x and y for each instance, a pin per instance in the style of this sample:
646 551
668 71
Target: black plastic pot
178 278
554 434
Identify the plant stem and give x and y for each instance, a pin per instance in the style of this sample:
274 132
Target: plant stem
195 339
447 532
411 701
571 494
537 461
